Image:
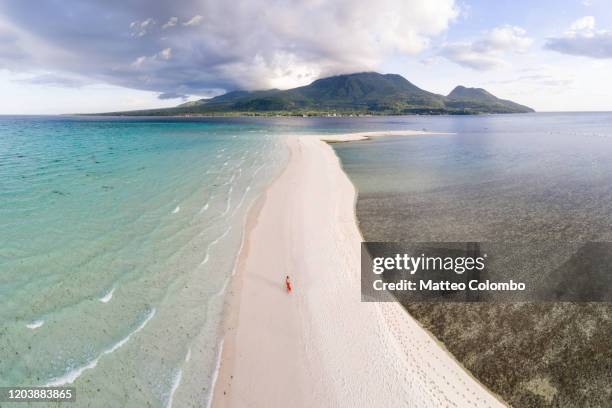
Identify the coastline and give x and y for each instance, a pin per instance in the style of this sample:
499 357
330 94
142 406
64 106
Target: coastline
309 348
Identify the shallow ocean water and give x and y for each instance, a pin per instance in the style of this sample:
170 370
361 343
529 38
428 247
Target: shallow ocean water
542 182
514 178
117 241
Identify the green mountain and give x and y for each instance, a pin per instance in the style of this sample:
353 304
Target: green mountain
479 100
361 93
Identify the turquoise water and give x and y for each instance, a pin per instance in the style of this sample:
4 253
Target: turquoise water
117 240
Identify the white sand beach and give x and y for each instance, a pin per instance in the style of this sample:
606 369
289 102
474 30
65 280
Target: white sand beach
320 346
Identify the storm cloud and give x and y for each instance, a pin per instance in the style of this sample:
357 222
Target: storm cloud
196 47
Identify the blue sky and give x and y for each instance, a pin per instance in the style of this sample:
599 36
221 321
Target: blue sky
66 56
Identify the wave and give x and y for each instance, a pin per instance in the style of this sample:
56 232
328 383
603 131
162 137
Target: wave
35 324
229 200
221 291
258 169
127 338
177 380
177 209
205 259
205 207
246 191
215 242
72 375
107 296
215 376
175 385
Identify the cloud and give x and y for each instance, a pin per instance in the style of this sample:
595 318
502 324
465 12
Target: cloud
505 38
172 21
172 95
487 52
140 28
538 79
239 44
165 55
430 60
194 21
139 61
584 23
53 80
466 55
583 39
11 50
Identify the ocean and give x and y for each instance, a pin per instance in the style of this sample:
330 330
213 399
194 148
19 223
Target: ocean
117 241
525 177
541 182
118 236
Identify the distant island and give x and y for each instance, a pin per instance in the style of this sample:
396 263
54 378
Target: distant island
366 93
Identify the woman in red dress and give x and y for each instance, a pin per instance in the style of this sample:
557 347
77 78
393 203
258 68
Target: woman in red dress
288 283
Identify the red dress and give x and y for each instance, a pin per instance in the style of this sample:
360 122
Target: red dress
288 283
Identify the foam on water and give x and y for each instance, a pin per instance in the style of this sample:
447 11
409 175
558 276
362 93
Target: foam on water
226 283
175 384
229 201
213 243
35 324
221 291
246 192
107 296
215 375
127 338
205 260
205 207
73 374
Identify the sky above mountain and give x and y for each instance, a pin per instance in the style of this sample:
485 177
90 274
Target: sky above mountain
59 56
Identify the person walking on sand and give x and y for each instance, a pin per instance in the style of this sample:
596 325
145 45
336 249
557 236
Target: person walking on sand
288 283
